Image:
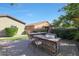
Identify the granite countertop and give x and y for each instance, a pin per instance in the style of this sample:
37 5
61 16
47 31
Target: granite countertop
47 38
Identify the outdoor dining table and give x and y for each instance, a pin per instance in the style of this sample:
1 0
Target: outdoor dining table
48 43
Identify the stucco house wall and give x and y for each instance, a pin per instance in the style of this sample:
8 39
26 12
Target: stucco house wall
8 22
35 26
44 24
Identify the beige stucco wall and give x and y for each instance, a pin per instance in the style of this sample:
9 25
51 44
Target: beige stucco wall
38 26
30 28
8 22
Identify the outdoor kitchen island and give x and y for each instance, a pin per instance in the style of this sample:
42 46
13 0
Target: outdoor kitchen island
49 44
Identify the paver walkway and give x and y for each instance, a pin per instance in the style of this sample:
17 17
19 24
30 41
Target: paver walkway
25 48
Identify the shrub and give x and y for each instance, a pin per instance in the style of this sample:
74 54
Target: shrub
11 31
76 37
70 34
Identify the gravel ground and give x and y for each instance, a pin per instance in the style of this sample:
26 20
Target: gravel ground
25 48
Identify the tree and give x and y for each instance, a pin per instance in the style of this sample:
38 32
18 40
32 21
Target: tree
62 21
71 9
72 12
71 17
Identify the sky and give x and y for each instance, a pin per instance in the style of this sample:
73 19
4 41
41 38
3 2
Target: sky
32 12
